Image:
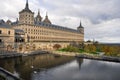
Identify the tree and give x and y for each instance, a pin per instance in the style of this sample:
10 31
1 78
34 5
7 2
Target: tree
57 46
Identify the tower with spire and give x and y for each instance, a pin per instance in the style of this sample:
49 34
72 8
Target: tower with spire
46 20
80 28
38 18
26 16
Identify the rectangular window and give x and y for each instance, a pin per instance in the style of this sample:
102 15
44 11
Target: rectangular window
8 32
0 31
0 40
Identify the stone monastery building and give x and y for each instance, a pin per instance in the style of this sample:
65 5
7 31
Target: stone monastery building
34 31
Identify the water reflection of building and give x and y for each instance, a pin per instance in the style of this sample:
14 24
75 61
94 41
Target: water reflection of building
79 61
43 33
22 65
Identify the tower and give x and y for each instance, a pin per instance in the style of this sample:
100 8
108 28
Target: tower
46 20
38 18
26 16
80 28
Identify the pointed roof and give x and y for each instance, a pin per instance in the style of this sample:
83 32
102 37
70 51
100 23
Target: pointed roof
38 12
27 5
38 15
8 22
4 25
26 9
80 26
46 20
2 21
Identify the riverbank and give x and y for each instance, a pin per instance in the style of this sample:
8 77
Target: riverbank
61 53
87 56
5 75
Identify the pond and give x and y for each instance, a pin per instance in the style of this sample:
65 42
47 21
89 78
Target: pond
51 67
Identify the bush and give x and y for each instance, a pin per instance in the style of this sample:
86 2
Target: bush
70 49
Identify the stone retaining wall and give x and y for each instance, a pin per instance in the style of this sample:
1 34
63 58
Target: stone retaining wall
5 75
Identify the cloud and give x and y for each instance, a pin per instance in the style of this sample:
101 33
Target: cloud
106 31
100 18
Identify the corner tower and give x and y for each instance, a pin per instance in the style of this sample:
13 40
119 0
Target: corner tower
80 28
26 16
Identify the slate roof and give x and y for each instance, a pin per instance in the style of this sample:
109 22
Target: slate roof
26 8
4 25
19 30
56 27
52 26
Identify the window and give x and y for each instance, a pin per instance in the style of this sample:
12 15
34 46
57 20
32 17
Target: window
0 31
0 40
8 32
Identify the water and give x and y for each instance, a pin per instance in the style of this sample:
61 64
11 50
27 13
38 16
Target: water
49 67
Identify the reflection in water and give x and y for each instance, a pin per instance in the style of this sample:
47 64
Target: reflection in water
79 61
89 70
24 66
49 67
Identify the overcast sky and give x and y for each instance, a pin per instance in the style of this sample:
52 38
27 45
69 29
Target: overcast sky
100 18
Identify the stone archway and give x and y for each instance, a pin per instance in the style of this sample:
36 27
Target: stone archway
9 48
27 47
20 47
33 46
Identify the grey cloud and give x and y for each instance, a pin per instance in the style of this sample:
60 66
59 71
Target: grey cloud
95 10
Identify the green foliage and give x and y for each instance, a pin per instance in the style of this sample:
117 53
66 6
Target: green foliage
70 49
90 48
81 51
109 50
93 49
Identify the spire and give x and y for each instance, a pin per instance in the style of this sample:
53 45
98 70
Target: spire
38 17
16 19
46 15
27 5
38 12
26 9
80 25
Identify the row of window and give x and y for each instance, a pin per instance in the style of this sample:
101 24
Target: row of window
48 38
22 16
45 32
1 32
